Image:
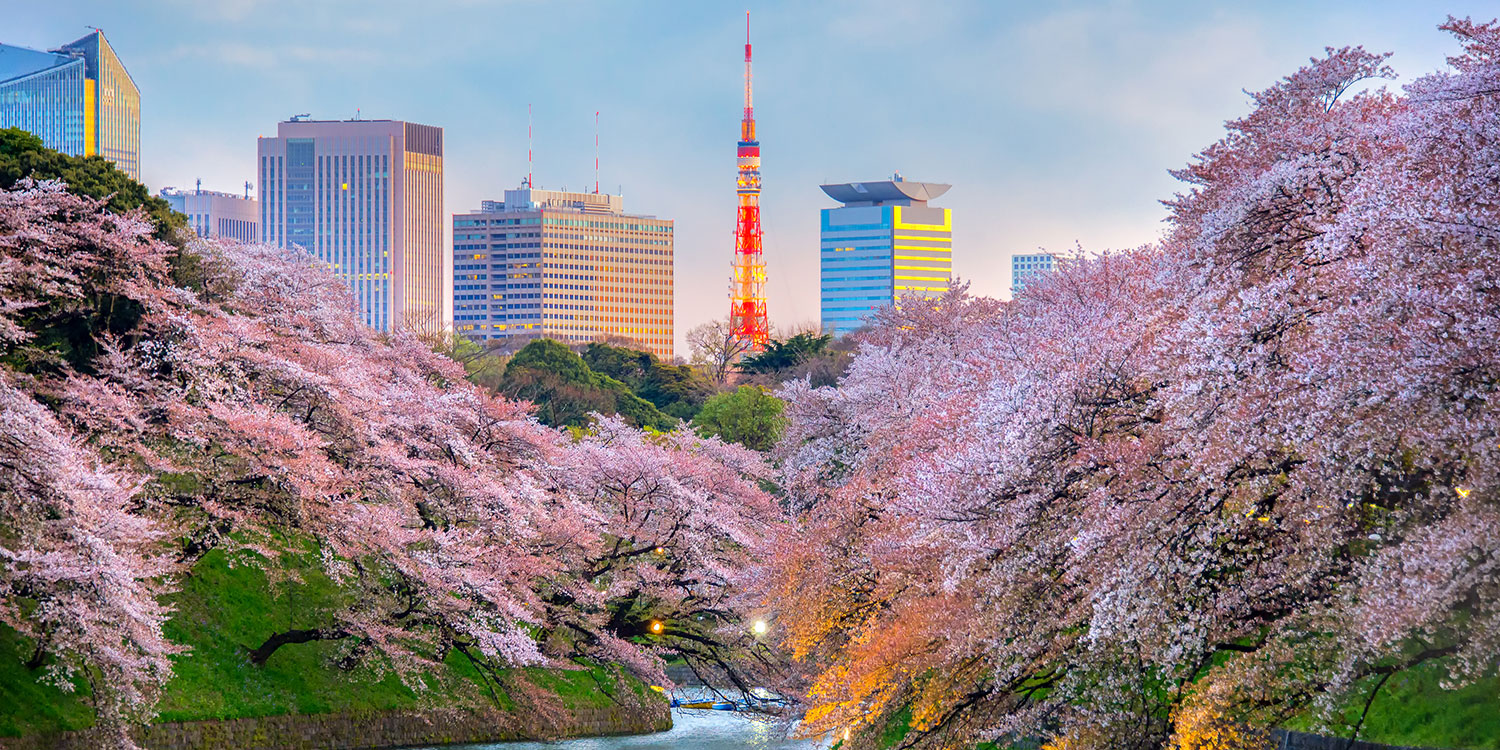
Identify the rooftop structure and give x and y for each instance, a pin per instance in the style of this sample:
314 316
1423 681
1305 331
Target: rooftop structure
883 244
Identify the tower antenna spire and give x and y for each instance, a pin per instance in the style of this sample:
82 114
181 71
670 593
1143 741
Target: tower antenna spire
596 152
529 183
747 295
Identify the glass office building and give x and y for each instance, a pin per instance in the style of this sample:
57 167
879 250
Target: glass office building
78 99
366 198
573 267
1025 266
883 243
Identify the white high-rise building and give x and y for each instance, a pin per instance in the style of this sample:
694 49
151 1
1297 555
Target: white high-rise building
365 197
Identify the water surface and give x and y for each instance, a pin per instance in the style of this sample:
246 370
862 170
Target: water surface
691 730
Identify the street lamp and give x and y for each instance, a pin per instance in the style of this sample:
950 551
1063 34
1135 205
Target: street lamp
759 627
656 626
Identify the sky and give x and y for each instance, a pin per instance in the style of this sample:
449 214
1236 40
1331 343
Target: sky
1055 122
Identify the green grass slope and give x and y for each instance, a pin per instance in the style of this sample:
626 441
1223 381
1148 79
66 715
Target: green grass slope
222 612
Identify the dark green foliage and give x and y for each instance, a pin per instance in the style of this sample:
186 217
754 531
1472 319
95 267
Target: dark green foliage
22 155
677 390
565 390
818 358
782 355
748 415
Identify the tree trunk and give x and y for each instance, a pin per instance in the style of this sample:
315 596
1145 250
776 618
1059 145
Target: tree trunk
259 656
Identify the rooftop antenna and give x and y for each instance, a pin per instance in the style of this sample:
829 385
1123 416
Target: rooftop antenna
528 147
596 152
356 114
200 186
248 186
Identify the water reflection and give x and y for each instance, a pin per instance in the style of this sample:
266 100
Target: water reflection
698 730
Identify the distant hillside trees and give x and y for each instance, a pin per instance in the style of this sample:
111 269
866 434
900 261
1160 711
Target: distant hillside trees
678 390
565 390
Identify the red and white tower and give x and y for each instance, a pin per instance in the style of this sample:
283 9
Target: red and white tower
747 294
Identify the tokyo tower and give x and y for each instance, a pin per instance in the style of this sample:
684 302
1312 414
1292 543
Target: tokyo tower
747 294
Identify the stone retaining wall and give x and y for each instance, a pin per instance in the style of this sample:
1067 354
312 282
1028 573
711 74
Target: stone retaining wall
369 731
1283 739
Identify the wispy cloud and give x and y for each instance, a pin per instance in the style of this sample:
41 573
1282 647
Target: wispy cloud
273 57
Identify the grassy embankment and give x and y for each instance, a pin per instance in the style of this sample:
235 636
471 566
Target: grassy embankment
222 612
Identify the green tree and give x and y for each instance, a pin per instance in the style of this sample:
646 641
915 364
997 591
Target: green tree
678 390
565 390
818 358
485 368
749 415
786 354
23 155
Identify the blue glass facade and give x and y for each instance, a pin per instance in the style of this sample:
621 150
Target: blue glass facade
78 99
855 257
1023 267
870 256
49 102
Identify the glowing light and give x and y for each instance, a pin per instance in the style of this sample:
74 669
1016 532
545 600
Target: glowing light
759 627
343 186
658 688
656 626
1462 492
660 550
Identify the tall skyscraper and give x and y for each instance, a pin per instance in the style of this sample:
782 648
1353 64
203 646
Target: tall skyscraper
214 215
884 243
747 293
365 197
567 266
78 99
1023 267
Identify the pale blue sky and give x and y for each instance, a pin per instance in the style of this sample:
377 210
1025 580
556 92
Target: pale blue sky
1055 122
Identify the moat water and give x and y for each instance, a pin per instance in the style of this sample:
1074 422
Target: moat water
695 730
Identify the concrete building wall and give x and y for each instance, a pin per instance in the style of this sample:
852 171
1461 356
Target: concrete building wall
568 266
365 197
217 215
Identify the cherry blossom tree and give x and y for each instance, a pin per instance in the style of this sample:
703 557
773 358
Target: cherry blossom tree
145 425
1212 481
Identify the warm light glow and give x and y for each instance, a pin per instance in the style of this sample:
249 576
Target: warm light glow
656 626
759 627
343 186
658 688
661 550
1462 492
